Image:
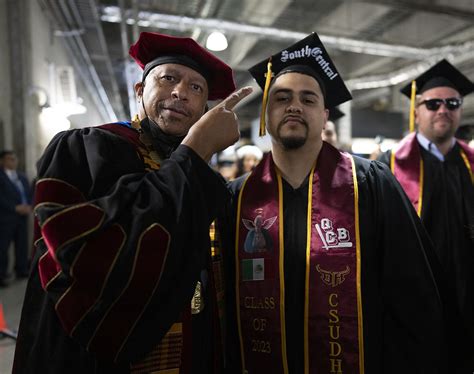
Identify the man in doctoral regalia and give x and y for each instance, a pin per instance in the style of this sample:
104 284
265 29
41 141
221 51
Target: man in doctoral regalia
123 279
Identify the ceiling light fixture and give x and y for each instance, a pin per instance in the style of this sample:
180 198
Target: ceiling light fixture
216 41
182 23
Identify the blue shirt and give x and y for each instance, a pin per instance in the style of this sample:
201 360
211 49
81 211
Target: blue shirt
431 147
12 174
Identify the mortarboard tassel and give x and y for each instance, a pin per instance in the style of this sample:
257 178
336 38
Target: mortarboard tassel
412 105
265 97
136 121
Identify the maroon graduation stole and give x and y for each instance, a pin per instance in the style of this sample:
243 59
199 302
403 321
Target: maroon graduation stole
333 333
407 165
467 155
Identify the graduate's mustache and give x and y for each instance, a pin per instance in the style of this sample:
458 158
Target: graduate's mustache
292 117
444 117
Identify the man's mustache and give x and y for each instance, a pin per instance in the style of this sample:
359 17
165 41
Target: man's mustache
292 117
176 106
444 116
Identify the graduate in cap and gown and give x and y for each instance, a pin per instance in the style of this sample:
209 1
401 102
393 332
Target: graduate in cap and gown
465 133
248 157
336 278
123 274
329 134
436 172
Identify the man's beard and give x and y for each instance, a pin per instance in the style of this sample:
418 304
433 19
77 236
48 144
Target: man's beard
442 135
293 141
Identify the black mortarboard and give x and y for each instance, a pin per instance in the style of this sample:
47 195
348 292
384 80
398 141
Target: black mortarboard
308 56
443 74
153 49
335 114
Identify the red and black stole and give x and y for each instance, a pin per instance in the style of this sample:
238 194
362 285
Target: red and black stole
407 165
333 332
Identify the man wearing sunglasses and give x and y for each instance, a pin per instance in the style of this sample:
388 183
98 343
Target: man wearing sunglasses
436 172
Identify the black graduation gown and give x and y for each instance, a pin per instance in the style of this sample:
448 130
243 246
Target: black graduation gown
402 314
447 213
182 196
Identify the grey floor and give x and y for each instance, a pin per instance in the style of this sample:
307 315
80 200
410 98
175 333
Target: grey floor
11 298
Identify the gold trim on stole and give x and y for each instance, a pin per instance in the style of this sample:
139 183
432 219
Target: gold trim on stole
306 285
358 262
420 181
468 164
281 268
421 184
237 272
392 161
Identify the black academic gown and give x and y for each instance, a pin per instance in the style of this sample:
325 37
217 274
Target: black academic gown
402 314
181 198
448 215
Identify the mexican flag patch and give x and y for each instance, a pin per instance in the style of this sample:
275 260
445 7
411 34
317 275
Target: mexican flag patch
253 269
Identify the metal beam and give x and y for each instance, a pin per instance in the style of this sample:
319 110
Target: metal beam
411 71
427 7
128 78
181 23
115 94
80 59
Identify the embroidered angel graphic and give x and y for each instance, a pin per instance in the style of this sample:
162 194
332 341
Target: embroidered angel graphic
258 239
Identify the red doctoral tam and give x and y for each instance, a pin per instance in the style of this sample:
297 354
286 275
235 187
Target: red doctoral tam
153 49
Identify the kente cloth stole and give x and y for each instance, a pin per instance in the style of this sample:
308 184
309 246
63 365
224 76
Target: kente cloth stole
217 286
173 354
168 356
407 165
333 331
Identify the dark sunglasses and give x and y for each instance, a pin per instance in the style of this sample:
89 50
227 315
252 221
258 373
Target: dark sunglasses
451 103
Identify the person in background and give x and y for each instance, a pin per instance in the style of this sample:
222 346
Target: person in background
465 133
248 157
329 134
123 278
227 164
436 172
15 208
378 140
327 264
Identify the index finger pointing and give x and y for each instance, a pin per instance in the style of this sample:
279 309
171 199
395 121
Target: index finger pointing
233 99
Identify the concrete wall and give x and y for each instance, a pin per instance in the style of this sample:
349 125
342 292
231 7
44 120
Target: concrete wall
47 52
5 112
41 52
